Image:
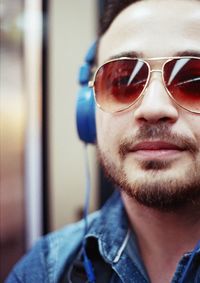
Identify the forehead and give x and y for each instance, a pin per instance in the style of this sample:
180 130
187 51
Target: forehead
153 28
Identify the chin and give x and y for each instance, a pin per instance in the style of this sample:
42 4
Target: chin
163 192
163 185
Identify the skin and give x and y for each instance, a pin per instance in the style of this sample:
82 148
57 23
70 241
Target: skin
155 29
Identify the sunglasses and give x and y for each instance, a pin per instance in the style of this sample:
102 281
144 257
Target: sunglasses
120 83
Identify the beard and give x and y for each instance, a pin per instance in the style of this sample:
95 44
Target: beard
154 187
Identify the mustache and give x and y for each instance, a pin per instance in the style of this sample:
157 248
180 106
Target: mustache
149 132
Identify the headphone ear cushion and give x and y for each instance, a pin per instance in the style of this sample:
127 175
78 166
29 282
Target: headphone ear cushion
85 115
85 106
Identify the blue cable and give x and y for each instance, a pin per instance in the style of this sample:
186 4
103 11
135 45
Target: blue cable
184 275
86 261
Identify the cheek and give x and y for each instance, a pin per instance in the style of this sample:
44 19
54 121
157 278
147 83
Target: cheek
194 126
105 131
198 133
110 129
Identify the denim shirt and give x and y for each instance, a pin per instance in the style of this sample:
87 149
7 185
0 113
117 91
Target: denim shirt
117 245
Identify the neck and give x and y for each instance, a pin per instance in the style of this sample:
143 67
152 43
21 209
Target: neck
163 237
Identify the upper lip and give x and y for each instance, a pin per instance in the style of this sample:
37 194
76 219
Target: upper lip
155 145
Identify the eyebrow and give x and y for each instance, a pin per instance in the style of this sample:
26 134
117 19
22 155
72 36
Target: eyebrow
130 54
192 53
133 54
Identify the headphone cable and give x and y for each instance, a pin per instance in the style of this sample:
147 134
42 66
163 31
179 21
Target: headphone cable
86 261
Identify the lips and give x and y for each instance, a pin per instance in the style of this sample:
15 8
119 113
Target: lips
155 145
161 150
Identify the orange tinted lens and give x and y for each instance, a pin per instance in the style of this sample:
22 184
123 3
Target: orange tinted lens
182 79
119 83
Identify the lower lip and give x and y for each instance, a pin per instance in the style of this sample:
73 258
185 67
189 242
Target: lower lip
158 154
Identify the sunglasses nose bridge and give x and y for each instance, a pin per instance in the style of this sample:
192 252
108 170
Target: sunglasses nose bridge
156 70
151 71
151 79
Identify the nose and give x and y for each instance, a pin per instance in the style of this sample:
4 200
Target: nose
156 105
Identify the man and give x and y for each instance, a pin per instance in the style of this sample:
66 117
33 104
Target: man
147 88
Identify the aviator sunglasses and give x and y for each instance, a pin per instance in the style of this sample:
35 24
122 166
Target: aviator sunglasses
120 83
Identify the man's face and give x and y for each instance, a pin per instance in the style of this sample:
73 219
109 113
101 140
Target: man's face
152 150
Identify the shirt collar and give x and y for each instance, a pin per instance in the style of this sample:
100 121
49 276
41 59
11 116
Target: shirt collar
111 229
112 232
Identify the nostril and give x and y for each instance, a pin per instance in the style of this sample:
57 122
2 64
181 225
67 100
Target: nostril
154 114
155 119
164 119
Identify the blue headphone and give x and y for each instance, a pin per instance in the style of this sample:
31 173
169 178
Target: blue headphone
85 106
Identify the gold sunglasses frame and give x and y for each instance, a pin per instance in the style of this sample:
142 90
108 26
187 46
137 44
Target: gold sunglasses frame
91 83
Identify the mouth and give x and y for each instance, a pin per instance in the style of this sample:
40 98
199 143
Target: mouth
156 150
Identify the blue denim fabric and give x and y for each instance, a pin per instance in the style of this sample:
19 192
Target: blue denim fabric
117 245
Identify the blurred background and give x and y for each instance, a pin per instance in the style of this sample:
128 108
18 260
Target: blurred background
43 43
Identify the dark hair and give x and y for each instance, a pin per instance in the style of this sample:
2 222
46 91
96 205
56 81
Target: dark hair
111 9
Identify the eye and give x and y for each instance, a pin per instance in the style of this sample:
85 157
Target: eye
190 85
120 81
